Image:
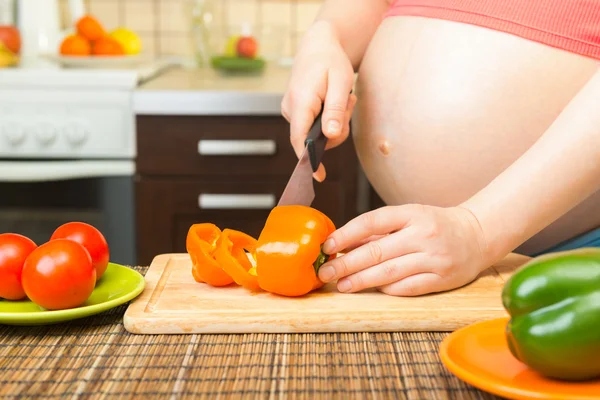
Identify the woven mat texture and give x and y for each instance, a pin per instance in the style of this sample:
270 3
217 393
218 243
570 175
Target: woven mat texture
96 357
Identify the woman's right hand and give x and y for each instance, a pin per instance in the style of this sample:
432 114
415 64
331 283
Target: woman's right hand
322 77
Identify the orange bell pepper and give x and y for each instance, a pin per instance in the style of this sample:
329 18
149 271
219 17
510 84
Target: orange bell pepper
233 259
288 252
201 243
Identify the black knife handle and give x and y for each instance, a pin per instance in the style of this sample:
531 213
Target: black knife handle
316 142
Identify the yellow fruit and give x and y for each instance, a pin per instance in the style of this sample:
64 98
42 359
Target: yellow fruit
130 42
231 46
7 58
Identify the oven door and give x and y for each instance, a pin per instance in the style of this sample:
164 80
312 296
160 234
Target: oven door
38 196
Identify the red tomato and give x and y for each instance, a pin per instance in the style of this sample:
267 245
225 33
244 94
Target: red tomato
91 238
59 274
14 249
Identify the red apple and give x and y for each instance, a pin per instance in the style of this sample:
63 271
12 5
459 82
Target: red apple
9 35
247 47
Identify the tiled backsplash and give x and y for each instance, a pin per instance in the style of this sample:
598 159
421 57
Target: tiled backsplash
165 25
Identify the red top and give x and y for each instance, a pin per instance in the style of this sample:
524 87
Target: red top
571 25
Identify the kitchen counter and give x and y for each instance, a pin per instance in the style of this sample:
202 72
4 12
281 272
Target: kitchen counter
182 91
96 358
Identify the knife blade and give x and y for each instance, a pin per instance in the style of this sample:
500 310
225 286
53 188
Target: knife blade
300 188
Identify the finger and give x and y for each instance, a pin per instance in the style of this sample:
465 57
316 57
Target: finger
353 100
388 272
320 174
336 103
303 112
376 222
366 256
361 242
417 285
351 105
285 106
332 143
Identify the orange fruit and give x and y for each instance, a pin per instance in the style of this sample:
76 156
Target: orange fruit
107 46
90 28
75 45
11 38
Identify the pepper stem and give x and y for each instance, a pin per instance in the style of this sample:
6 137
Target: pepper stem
321 259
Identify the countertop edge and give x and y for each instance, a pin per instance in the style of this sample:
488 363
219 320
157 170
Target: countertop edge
177 102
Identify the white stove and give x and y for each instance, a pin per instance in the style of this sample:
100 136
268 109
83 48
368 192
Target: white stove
67 115
76 114
67 151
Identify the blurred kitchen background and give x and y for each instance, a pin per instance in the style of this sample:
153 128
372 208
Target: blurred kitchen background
185 27
143 144
174 27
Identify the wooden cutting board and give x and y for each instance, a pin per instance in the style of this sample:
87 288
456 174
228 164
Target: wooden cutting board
173 303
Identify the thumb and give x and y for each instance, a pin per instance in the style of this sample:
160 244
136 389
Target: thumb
336 103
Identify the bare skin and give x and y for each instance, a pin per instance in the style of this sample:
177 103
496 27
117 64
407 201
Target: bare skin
482 143
437 136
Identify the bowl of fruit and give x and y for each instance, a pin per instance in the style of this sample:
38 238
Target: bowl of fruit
243 49
92 45
10 46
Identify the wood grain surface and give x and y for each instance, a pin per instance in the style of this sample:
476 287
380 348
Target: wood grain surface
173 303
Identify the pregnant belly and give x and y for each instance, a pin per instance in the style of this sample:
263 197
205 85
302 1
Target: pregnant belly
445 107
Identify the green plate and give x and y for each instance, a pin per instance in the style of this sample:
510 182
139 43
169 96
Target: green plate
117 286
238 64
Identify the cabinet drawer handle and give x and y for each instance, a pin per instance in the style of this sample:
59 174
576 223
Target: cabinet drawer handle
237 147
236 201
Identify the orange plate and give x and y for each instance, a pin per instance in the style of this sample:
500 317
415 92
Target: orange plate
479 355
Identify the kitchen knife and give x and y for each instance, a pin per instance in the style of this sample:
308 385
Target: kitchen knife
300 188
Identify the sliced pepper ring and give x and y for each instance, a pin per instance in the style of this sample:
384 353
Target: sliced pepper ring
201 243
232 258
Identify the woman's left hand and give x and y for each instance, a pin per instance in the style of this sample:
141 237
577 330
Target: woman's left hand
407 250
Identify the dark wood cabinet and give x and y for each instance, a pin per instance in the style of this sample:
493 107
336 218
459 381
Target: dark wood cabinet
226 170
374 200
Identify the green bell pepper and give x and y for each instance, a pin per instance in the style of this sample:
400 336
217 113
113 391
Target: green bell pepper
554 305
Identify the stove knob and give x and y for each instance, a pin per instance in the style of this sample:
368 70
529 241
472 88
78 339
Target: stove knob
76 134
45 134
14 134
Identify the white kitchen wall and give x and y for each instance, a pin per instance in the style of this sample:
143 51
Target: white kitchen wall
164 25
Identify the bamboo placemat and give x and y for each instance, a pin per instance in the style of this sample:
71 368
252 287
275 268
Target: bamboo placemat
96 357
